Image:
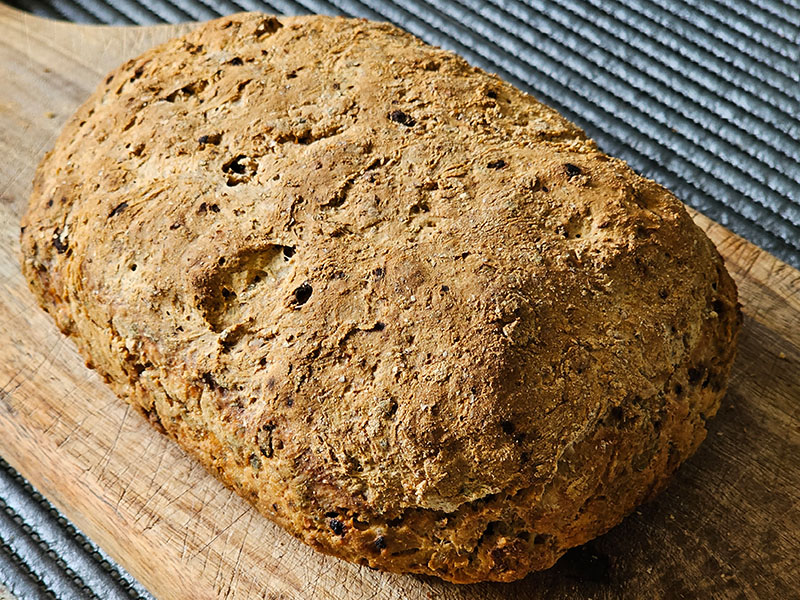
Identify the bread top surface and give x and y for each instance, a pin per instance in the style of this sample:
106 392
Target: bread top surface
421 282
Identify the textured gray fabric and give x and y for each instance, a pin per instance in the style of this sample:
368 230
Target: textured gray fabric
700 95
43 556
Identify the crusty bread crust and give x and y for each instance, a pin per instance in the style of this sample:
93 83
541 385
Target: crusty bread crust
409 312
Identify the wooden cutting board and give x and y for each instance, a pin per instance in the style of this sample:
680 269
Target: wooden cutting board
727 527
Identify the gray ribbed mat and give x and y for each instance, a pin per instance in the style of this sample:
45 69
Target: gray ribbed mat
42 555
700 95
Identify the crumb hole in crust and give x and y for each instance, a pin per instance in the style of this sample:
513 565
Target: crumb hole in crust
302 293
240 169
391 409
572 170
187 91
140 368
419 207
398 116
213 139
540 538
264 440
337 527
695 375
267 26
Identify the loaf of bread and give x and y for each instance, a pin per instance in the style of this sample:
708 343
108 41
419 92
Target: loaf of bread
413 315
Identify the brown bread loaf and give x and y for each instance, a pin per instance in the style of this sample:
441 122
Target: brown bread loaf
413 315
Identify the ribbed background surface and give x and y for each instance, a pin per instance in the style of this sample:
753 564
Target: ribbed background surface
42 555
700 95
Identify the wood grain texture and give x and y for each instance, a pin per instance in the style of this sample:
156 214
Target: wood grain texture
727 527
